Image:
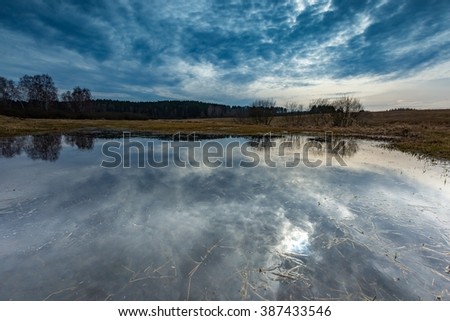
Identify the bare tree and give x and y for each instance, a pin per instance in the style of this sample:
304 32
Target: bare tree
8 90
294 111
346 108
321 106
81 97
77 99
264 103
293 107
263 111
39 88
66 98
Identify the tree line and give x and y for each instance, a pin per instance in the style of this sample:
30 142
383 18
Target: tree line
40 92
37 96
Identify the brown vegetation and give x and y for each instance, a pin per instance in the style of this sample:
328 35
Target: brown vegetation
422 132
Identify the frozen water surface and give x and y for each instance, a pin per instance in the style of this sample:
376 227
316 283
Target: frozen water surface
376 229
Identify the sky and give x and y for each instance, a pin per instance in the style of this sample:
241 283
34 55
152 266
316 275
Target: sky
388 53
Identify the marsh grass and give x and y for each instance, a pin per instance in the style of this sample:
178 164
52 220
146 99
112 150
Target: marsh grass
422 133
198 264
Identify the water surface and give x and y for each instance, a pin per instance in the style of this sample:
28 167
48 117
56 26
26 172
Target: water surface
376 229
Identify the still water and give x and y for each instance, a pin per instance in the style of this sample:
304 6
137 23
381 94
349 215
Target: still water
375 229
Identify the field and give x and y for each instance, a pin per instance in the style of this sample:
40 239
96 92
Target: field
424 133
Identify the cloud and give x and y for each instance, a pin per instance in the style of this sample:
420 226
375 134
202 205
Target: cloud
228 52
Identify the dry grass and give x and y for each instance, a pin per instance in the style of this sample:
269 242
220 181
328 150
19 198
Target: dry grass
425 132
198 264
11 126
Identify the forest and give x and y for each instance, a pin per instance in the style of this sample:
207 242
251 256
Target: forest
37 97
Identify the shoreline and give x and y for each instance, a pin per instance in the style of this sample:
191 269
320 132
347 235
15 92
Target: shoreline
432 140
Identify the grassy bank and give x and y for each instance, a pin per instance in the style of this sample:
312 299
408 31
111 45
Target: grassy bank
424 133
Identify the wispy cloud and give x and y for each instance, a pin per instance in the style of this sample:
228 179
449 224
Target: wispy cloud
226 51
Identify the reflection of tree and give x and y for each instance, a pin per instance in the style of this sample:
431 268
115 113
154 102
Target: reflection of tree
81 141
342 147
262 142
338 146
45 147
10 147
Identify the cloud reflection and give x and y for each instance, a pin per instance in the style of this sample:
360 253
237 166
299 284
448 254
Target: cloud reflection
78 232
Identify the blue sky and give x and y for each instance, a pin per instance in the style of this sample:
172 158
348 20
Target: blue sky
389 53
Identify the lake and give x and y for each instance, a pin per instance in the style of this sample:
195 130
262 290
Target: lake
98 216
